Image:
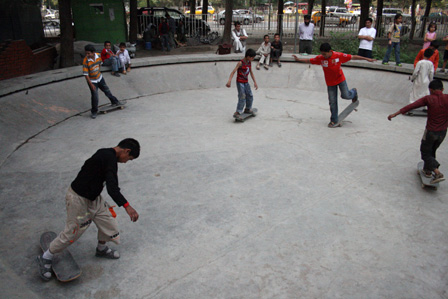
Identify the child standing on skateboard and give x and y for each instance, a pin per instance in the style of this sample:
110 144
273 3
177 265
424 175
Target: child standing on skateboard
334 77
245 96
436 126
86 205
91 71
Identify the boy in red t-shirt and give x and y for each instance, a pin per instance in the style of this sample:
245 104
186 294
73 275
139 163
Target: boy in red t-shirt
110 59
331 64
245 96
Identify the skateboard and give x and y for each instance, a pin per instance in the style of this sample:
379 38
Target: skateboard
245 116
426 182
343 115
418 112
64 265
109 108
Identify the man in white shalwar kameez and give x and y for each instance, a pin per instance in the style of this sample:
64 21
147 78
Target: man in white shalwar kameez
422 76
239 37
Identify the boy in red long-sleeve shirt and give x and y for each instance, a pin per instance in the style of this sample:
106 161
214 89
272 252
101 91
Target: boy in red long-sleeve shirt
436 126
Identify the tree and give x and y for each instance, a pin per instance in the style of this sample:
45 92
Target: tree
310 6
204 9
365 4
322 18
133 21
425 17
65 16
280 17
379 16
228 23
413 22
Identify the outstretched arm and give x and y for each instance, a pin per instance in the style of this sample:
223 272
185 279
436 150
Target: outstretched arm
233 73
357 57
393 115
304 60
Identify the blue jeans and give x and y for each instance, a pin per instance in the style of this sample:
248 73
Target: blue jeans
333 98
165 42
114 61
396 46
245 96
94 99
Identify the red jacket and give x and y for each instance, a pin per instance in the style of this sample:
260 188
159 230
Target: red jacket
434 58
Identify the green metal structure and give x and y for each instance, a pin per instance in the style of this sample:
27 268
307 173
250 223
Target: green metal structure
100 20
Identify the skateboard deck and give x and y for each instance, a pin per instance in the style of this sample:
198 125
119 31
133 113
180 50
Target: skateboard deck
426 182
245 116
109 108
417 112
343 115
64 265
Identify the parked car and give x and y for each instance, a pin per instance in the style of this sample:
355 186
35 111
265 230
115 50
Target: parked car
198 11
153 15
389 15
330 19
342 12
438 17
52 28
236 16
255 17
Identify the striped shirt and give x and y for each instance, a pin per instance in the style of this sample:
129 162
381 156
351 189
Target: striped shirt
91 68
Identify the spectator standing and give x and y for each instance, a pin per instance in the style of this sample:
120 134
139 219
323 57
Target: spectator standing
306 31
445 54
239 37
110 59
366 36
430 36
172 31
394 35
164 30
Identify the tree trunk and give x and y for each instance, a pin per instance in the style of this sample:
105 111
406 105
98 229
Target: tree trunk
322 18
192 8
413 21
228 24
65 16
365 4
280 17
133 21
204 10
310 7
425 18
379 17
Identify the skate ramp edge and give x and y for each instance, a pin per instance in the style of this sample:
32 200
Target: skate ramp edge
34 103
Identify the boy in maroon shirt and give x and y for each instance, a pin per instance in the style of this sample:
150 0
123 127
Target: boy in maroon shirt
435 130
331 64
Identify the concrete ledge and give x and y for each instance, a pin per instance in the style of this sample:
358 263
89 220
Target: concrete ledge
26 82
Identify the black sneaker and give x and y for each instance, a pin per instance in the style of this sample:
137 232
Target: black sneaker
93 116
44 268
107 253
237 115
356 96
118 103
116 74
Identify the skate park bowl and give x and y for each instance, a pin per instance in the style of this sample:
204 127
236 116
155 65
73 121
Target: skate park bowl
279 206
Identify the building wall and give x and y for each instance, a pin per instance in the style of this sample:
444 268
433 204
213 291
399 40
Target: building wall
98 21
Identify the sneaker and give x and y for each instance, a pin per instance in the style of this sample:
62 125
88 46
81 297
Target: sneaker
118 103
333 125
385 63
356 96
266 66
44 268
93 115
270 64
108 253
258 67
279 64
399 64
427 173
248 111
437 178
115 74
237 115
441 71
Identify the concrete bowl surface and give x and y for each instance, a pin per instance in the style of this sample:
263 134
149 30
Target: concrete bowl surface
277 207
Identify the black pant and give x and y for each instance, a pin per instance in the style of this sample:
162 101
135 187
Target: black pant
430 143
94 94
305 46
365 53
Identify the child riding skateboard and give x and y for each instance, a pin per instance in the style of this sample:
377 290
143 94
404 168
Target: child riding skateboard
245 96
86 205
334 77
436 126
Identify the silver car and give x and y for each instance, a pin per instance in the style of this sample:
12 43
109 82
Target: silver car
236 16
256 18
